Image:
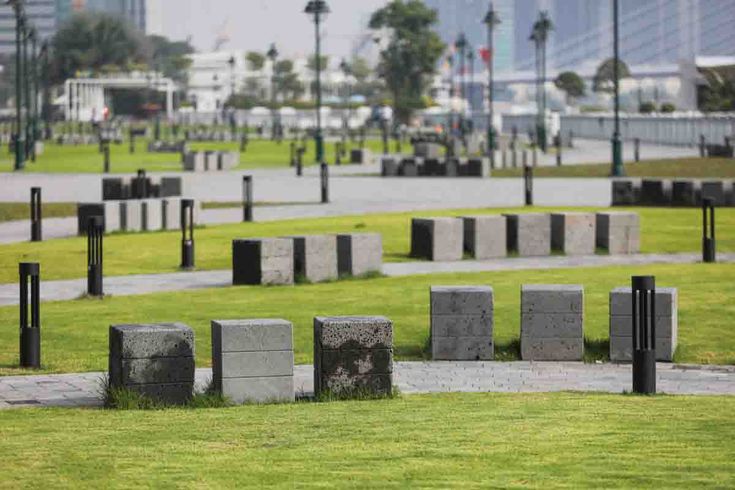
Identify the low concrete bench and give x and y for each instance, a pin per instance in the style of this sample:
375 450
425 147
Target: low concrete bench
439 239
315 257
388 167
353 356
262 261
485 236
621 324
625 192
655 192
529 234
359 254
461 323
209 161
552 319
252 360
155 360
573 233
684 192
618 232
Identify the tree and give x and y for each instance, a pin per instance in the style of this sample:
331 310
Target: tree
256 61
287 82
410 59
170 57
360 69
571 84
88 42
323 63
605 76
719 92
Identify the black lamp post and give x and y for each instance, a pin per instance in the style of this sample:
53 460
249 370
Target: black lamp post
461 45
19 134
617 144
273 56
491 20
318 9
43 112
346 71
33 90
539 35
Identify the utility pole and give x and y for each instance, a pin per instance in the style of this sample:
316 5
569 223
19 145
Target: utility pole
617 144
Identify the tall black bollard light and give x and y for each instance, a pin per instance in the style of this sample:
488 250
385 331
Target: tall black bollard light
30 335
528 184
36 214
300 161
247 198
324 174
702 145
187 233
338 153
292 154
131 136
558 148
636 149
95 231
243 142
106 154
708 230
644 334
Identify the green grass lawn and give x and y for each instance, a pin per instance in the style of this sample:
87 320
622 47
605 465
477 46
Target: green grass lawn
88 159
675 167
663 230
20 210
483 440
75 333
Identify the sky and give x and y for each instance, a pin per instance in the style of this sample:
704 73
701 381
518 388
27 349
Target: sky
255 24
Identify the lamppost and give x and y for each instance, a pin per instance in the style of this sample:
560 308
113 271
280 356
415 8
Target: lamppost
44 109
27 30
491 20
346 71
617 144
33 88
461 45
539 35
468 95
450 111
17 6
272 55
318 9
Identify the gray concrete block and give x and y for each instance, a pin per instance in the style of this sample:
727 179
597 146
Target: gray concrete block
552 298
268 389
315 257
257 363
684 192
462 326
151 214
194 161
156 370
171 213
112 216
714 189
360 361
131 215
359 253
542 349
438 239
655 192
262 261
380 384
478 167
172 394
666 326
388 167
666 301
408 168
252 335
485 236
353 332
87 210
462 348
146 341
625 192
529 234
427 150
573 233
618 232
621 349
461 300
552 325
211 159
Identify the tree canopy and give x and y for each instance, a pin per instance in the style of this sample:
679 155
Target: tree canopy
170 57
256 61
571 83
605 75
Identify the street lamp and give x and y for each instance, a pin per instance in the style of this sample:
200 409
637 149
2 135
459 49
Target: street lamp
44 110
461 45
346 71
318 9
491 20
17 6
539 35
33 89
617 144
272 55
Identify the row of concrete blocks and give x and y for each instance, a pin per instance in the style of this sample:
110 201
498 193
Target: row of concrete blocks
168 146
314 258
205 161
552 319
529 234
134 215
117 188
419 167
253 360
361 156
667 192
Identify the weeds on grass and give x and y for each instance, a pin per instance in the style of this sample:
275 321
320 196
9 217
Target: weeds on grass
359 394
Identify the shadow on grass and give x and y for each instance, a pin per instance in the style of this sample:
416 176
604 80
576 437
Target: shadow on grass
596 350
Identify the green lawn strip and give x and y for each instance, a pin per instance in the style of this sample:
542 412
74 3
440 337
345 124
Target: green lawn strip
663 230
10 211
547 440
88 159
75 333
672 168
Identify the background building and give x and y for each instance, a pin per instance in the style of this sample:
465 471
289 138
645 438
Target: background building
42 13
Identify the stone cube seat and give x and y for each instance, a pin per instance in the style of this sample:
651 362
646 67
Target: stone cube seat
655 192
359 253
461 323
529 234
618 232
438 239
625 192
485 236
262 261
315 257
684 192
552 319
573 233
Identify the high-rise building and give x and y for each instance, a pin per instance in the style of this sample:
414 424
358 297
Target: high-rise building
41 13
132 10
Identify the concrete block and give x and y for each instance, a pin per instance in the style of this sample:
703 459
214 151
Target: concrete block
714 189
151 214
171 213
170 186
85 211
427 150
551 349
112 216
529 234
439 239
359 253
361 157
388 166
462 325
461 300
267 389
551 325
655 192
625 192
262 261
666 326
194 161
253 335
353 332
552 298
552 319
211 160
113 189
621 302
478 167
484 236
433 167
462 348
573 233
315 257
684 192
621 349
131 215
408 168
618 232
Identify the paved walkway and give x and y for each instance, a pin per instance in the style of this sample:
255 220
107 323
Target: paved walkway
179 281
84 390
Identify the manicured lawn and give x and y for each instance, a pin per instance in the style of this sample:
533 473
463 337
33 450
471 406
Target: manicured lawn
75 333
453 440
678 167
663 230
88 159
19 210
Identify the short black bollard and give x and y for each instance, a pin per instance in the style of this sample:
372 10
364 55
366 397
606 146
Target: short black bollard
702 145
132 141
338 153
247 198
95 230
140 188
243 142
708 230
636 149
644 334
528 184
106 155
524 159
187 233
36 214
30 335
324 174
292 154
571 139
300 161
557 141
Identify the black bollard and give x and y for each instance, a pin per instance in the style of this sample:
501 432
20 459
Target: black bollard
106 153
132 141
36 214
708 230
528 184
292 154
30 335
524 160
636 149
571 139
702 145
338 153
140 188
247 198
643 301
324 174
187 233
558 149
300 161
95 230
